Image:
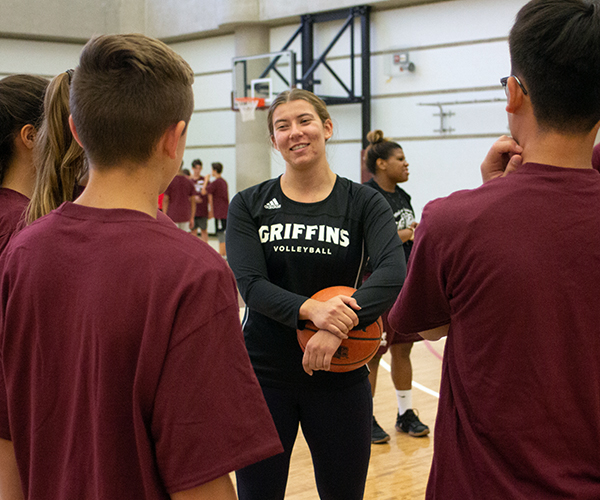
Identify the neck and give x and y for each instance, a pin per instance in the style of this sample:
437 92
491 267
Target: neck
561 150
385 182
124 186
308 186
20 177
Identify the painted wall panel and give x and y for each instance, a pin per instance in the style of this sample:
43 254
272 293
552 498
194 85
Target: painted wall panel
40 58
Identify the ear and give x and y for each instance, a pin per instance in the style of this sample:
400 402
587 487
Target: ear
381 163
27 135
274 143
328 126
515 96
171 139
73 130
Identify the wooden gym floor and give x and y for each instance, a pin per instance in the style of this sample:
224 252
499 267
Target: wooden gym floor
399 469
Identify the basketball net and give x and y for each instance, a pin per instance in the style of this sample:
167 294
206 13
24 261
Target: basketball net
247 106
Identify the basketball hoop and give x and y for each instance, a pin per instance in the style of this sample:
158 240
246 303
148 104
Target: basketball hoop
247 106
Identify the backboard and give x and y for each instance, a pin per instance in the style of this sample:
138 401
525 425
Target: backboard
264 76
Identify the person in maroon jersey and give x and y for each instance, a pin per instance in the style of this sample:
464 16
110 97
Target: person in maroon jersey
121 346
201 217
179 202
21 109
509 273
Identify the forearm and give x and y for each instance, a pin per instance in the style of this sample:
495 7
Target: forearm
219 489
210 206
435 333
406 234
262 296
10 482
384 247
193 207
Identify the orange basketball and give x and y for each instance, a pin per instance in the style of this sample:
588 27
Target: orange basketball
361 344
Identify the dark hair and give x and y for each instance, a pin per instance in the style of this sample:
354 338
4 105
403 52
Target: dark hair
197 161
59 159
217 167
379 147
186 172
555 48
296 95
21 104
126 92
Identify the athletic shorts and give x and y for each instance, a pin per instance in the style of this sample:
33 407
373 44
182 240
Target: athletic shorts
200 223
220 225
392 337
184 225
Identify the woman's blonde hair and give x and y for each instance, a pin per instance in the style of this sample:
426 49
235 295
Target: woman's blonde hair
59 160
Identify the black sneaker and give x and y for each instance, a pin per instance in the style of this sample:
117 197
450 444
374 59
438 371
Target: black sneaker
378 435
409 422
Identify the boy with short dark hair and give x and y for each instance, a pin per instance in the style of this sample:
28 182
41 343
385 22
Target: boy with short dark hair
510 272
113 386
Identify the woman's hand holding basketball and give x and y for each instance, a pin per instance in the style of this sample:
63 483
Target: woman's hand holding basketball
335 315
319 350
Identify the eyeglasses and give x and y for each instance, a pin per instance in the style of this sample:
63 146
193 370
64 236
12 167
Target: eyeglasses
504 82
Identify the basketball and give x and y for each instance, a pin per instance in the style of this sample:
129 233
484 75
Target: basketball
361 344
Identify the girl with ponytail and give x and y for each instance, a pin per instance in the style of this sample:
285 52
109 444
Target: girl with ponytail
58 157
21 107
386 161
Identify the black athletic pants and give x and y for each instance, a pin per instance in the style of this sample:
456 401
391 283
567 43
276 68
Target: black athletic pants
337 427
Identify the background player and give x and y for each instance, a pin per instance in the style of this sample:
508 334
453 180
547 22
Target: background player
201 216
386 161
112 384
179 202
509 272
218 203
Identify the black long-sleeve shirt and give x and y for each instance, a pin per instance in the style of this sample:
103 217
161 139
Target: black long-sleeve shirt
282 252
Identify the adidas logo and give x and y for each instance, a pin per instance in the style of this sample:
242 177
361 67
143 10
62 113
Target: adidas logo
273 204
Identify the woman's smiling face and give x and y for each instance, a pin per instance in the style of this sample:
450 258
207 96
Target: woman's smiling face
299 134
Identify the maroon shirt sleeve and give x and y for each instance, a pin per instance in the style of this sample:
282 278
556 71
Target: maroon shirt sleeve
425 285
217 422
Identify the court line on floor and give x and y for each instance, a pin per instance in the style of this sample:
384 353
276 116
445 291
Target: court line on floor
432 350
416 385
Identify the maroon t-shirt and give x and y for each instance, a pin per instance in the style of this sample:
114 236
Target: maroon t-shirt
218 189
201 201
179 192
514 267
12 209
117 386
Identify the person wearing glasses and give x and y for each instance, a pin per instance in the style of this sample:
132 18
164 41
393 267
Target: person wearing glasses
510 274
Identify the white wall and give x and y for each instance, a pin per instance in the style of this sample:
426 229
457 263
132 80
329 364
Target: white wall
211 136
460 51
39 58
